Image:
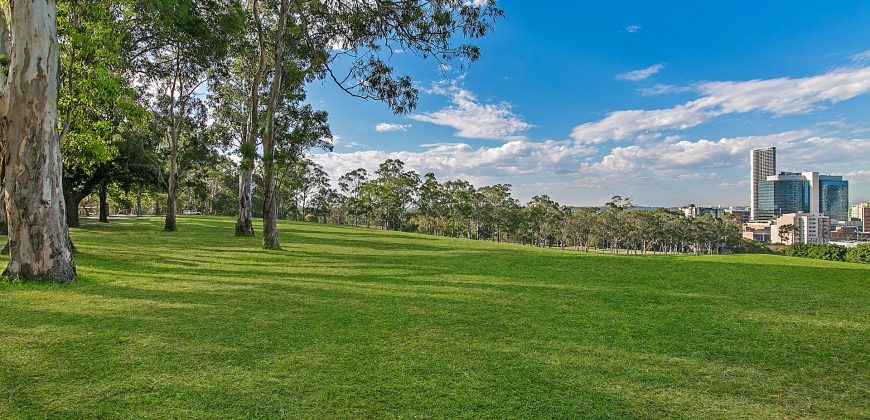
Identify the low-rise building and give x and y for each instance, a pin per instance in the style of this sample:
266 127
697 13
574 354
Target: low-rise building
757 231
844 233
861 214
809 228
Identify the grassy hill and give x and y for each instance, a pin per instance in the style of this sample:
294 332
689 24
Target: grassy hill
363 323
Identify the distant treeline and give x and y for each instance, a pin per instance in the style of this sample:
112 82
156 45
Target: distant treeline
399 199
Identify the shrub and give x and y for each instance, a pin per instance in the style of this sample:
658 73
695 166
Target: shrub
828 252
859 254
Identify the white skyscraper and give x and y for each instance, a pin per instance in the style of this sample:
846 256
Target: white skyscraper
762 164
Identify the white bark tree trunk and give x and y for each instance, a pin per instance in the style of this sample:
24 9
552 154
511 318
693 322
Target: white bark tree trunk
244 225
270 193
39 243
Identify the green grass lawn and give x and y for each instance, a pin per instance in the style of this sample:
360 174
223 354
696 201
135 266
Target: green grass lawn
349 322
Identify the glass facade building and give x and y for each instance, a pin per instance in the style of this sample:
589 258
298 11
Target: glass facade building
777 197
834 197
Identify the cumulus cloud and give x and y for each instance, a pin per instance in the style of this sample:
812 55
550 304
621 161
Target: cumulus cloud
566 167
384 127
642 74
473 119
782 96
460 160
632 29
798 150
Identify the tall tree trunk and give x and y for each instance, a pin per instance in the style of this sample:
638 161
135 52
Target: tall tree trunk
4 227
39 242
244 226
169 225
172 186
270 199
72 200
270 211
104 204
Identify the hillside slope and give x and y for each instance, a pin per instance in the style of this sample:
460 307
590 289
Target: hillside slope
364 323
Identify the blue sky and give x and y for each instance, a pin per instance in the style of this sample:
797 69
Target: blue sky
659 101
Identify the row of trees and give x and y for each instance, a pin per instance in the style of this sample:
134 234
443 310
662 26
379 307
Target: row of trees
158 96
393 197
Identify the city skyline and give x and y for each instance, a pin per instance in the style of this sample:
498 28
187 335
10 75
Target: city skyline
634 100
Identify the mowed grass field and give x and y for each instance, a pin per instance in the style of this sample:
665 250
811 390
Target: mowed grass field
348 322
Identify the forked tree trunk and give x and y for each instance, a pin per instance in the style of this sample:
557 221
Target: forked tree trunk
244 226
104 204
39 242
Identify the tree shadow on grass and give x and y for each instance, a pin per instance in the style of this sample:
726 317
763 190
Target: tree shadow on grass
536 332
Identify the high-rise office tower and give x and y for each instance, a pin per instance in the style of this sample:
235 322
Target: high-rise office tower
834 197
762 164
785 193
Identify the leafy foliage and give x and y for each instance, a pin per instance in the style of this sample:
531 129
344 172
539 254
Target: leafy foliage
830 252
859 254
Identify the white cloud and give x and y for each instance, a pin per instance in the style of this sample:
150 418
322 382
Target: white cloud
460 160
661 89
642 74
474 119
799 150
861 57
632 29
782 96
384 127
682 169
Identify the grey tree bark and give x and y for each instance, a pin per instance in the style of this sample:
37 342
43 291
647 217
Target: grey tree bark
244 225
270 193
39 242
172 183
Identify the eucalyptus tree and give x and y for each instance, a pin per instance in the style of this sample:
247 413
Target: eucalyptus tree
39 242
316 38
502 205
431 204
582 223
460 207
230 101
306 179
351 185
564 223
323 202
544 218
397 190
179 45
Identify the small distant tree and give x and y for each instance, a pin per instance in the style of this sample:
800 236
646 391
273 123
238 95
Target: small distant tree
786 232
